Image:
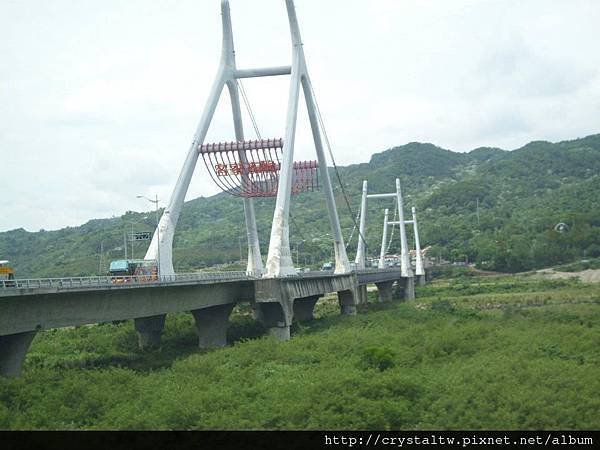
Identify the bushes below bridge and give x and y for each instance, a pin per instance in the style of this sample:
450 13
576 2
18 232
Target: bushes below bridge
518 354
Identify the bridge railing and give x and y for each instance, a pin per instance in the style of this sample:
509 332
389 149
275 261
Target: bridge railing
138 280
126 280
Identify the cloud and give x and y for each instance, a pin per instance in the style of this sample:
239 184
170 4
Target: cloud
99 101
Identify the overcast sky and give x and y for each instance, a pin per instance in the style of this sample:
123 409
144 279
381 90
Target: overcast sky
99 99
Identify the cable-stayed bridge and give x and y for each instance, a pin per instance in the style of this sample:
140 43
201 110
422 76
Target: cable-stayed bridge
247 169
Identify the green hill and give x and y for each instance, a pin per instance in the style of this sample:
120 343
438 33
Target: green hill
493 207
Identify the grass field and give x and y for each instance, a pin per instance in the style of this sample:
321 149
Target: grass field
469 353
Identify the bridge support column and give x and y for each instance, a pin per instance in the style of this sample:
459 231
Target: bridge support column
304 308
348 301
385 291
211 325
13 348
363 296
407 284
409 289
273 316
421 280
274 307
149 330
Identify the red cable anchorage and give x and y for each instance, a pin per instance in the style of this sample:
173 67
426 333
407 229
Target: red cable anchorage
247 168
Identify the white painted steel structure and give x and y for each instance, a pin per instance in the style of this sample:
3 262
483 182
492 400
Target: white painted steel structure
361 253
383 239
279 260
419 269
405 266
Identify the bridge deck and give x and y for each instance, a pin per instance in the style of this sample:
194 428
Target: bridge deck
19 287
27 306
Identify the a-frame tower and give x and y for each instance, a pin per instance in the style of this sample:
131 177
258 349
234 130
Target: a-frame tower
279 260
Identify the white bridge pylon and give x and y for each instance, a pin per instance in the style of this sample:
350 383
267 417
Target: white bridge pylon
279 259
405 264
419 268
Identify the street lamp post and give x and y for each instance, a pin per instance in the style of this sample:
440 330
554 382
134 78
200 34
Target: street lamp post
298 244
131 238
155 201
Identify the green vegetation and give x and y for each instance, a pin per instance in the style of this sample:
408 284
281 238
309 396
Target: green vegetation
580 265
469 353
492 207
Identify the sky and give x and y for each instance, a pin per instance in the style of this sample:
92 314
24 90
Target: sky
99 100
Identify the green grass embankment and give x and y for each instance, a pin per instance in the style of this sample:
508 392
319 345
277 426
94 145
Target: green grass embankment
512 353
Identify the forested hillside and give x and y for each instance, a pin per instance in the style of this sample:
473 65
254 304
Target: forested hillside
489 206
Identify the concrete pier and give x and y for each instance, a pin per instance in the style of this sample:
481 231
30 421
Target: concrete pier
277 301
348 301
385 291
212 324
304 308
276 317
409 288
13 348
149 330
405 289
362 294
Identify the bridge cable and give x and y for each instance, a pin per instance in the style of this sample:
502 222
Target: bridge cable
337 173
320 118
353 230
249 109
387 250
257 131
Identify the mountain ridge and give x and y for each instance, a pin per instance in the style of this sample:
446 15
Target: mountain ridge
492 206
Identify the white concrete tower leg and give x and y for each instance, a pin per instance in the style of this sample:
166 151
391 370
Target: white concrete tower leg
361 248
419 271
405 265
384 239
255 265
170 217
342 265
279 258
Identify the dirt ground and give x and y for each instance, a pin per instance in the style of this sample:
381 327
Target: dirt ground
586 276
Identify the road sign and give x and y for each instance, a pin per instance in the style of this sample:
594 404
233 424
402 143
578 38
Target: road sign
141 236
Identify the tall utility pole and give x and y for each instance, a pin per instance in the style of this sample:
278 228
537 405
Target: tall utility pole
131 237
298 253
155 201
101 263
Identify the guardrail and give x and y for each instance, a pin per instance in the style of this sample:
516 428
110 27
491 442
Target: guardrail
377 270
126 280
136 280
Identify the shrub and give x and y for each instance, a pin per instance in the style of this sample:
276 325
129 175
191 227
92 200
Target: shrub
380 358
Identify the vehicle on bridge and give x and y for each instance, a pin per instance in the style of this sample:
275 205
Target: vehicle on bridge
7 274
133 270
327 266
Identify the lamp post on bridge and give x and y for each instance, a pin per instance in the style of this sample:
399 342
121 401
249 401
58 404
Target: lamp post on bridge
155 201
320 239
131 238
298 244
